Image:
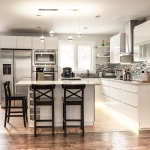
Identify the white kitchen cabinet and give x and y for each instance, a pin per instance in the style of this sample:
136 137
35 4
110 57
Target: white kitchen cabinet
117 46
141 33
37 44
51 43
8 42
24 42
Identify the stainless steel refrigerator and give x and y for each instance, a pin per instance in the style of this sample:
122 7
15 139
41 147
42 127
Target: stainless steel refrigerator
15 66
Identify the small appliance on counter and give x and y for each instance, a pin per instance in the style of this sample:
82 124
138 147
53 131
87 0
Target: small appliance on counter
67 72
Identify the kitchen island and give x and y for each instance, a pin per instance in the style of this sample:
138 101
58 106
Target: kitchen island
44 112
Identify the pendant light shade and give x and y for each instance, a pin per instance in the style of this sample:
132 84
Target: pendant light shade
51 33
79 32
70 38
42 37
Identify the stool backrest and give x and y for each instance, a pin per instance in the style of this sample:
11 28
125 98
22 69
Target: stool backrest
79 88
38 90
7 89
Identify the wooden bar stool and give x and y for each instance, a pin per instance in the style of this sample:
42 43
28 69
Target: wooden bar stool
42 98
73 99
8 98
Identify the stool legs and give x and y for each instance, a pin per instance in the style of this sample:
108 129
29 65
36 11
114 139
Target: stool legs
24 114
53 130
6 109
9 107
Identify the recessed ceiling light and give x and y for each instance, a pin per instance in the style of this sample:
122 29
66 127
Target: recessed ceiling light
97 16
85 27
38 27
38 15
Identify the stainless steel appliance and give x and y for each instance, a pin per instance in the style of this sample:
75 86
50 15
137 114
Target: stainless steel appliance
67 72
44 57
46 73
15 66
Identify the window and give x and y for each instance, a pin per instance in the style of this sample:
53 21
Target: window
77 55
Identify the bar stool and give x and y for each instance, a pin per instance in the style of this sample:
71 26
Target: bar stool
42 98
73 99
8 98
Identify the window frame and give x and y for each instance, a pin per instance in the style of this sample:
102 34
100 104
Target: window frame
76 44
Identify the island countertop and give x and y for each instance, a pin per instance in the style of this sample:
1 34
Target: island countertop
22 83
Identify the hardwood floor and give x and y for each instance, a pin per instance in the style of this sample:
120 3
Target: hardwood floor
108 133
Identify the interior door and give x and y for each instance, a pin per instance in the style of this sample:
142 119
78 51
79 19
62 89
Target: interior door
22 63
6 60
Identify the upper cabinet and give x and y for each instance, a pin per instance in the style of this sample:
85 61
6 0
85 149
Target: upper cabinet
24 42
141 33
8 41
142 42
117 46
37 44
51 43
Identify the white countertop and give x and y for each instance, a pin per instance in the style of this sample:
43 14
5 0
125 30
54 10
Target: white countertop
22 83
127 82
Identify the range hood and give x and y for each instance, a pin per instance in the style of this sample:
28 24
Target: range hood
129 36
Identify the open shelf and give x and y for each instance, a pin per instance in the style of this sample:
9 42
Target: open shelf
101 56
102 46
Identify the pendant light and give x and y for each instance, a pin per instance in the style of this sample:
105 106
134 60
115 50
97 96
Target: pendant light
51 33
79 32
42 37
70 38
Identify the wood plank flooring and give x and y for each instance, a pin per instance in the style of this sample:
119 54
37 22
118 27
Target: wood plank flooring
108 133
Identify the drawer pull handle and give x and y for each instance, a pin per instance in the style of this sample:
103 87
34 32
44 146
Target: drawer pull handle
130 91
130 104
104 85
105 94
115 88
116 99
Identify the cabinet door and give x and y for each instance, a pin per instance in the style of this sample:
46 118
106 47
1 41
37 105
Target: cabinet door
24 42
141 33
112 56
117 55
37 44
8 41
51 43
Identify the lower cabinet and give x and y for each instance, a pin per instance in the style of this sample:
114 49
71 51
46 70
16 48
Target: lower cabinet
123 98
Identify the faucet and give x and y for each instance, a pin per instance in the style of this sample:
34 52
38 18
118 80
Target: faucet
88 73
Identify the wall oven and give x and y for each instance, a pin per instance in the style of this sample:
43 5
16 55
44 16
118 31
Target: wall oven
44 57
40 73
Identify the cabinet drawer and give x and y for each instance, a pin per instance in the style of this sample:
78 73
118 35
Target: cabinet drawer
105 99
115 93
130 88
129 112
105 90
130 98
115 84
104 82
115 104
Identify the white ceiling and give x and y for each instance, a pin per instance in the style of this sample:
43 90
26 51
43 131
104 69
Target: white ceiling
20 16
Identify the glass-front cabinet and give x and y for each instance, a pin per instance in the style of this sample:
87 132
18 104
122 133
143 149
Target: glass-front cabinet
142 51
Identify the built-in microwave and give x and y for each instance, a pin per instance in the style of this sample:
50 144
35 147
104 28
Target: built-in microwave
45 57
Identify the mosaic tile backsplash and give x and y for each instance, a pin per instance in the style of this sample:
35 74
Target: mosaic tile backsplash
136 69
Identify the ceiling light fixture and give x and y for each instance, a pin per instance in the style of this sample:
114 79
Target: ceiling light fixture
97 16
70 38
42 37
51 33
79 32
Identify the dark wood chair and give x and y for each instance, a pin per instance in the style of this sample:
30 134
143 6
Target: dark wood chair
73 99
8 98
42 97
